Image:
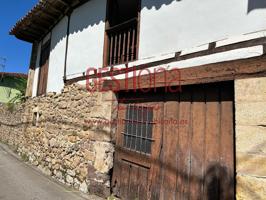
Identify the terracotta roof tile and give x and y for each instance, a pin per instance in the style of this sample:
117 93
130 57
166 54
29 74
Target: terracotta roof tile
18 75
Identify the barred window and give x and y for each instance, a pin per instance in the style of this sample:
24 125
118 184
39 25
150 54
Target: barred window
138 128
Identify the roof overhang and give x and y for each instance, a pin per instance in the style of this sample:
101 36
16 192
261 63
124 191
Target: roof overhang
42 18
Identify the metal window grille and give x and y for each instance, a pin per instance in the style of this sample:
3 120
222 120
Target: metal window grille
138 129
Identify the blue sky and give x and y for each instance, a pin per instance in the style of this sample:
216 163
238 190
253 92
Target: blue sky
16 52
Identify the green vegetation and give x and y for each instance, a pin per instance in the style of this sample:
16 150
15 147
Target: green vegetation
25 157
12 90
112 197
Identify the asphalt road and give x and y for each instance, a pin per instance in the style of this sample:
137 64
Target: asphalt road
18 181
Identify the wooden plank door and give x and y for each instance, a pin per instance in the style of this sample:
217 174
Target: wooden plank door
137 166
43 71
192 148
197 153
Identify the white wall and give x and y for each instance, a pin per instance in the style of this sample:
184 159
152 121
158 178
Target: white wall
86 39
85 46
166 26
171 25
57 57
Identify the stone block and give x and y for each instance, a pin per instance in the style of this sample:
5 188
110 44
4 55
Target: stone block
104 157
58 174
69 179
250 188
250 90
53 142
82 173
251 164
84 187
88 155
107 97
76 183
96 135
71 172
251 113
251 139
98 189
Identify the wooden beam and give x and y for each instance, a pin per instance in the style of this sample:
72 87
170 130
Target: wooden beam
30 82
27 36
224 71
38 19
52 7
63 2
49 14
33 31
245 44
75 3
40 24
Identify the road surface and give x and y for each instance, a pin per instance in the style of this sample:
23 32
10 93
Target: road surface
18 181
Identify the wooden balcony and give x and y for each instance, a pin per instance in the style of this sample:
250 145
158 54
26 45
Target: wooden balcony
122 42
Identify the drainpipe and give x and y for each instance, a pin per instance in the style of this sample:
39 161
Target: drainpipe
67 37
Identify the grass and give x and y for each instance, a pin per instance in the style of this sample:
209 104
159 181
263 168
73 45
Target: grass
25 157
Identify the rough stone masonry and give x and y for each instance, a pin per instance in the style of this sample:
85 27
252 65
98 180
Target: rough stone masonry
250 127
67 136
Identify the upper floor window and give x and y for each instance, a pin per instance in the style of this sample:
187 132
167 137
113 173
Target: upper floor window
122 28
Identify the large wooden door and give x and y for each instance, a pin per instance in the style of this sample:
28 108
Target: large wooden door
190 152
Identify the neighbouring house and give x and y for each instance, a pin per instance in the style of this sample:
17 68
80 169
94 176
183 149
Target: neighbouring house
184 83
11 85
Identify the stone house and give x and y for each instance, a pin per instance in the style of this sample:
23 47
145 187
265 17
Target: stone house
146 99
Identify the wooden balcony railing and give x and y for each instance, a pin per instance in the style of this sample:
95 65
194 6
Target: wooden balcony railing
122 40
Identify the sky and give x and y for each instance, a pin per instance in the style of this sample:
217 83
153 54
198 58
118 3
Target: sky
16 52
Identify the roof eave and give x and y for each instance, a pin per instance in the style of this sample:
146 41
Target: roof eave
40 20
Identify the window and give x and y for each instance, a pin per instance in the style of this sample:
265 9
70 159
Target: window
122 31
138 129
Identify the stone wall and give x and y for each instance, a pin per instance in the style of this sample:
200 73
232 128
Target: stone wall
250 101
67 136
